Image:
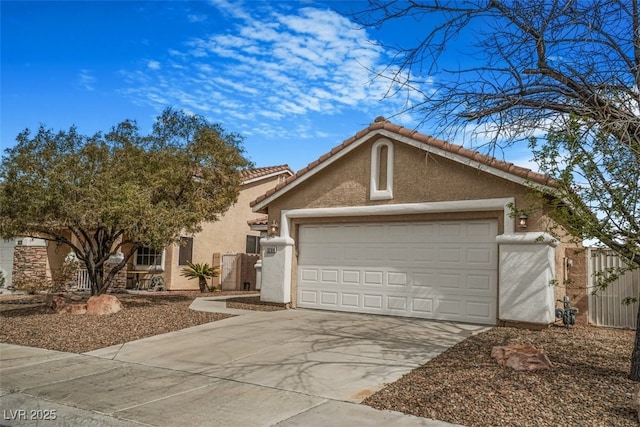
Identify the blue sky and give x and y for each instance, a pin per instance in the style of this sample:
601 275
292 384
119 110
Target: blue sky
293 77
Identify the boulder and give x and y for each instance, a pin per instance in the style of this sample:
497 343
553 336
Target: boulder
62 306
103 304
521 357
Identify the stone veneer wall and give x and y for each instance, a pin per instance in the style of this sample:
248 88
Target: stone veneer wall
30 262
120 279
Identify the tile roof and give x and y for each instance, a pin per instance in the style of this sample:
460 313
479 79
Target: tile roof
381 123
254 173
262 220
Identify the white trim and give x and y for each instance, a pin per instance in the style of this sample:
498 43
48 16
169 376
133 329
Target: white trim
146 268
463 160
31 241
271 175
374 184
399 209
394 136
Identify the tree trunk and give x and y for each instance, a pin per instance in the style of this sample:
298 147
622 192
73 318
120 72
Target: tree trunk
203 284
635 355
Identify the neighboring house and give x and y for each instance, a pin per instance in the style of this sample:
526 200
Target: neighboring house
231 234
22 258
399 223
29 259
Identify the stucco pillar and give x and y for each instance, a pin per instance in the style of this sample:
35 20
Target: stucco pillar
526 271
277 253
258 267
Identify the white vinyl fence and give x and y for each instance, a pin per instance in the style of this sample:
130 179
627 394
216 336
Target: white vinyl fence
82 281
606 307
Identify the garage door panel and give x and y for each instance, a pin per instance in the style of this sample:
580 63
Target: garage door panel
480 310
329 276
350 300
308 297
436 270
308 274
426 256
481 283
424 280
450 281
372 301
449 307
351 277
481 257
422 307
373 278
450 231
397 279
398 303
480 231
329 298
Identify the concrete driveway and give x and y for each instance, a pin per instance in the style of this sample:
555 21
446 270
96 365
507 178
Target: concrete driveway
284 368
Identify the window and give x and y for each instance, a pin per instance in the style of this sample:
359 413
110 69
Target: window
381 170
147 257
186 250
253 245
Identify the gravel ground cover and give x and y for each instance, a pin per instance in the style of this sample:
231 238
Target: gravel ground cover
26 321
587 386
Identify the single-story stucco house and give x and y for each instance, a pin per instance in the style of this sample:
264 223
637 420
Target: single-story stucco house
32 258
395 222
231 234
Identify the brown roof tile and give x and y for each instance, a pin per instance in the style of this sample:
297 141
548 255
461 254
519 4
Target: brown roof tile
381 123
263 220
249 174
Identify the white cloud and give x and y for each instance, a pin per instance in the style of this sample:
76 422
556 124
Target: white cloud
86 80
273 65
196 18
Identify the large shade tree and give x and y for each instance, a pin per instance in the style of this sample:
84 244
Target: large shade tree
106 196
565 69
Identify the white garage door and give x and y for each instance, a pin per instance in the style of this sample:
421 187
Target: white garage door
437 270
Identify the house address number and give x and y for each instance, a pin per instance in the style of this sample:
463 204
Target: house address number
272 250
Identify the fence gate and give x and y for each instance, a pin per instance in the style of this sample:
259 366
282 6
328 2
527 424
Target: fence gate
228 272
82 282
606 307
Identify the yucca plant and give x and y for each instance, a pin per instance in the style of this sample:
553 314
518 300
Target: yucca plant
201 272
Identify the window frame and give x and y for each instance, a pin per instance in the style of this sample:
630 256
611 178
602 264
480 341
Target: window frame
376 193
160 252
183 257
256 244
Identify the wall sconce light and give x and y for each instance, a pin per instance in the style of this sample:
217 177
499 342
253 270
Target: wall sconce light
522 221
274 229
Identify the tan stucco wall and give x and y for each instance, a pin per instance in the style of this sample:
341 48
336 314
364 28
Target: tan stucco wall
227 235
418 177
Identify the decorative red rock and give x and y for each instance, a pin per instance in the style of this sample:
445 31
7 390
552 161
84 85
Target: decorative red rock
103 304
521 357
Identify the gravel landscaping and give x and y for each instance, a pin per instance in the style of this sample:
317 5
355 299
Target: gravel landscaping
26 321
587 386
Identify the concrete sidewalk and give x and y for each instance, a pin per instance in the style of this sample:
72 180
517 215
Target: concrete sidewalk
284 368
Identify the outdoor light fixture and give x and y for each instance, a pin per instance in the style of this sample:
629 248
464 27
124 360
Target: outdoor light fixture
522 221
274 229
